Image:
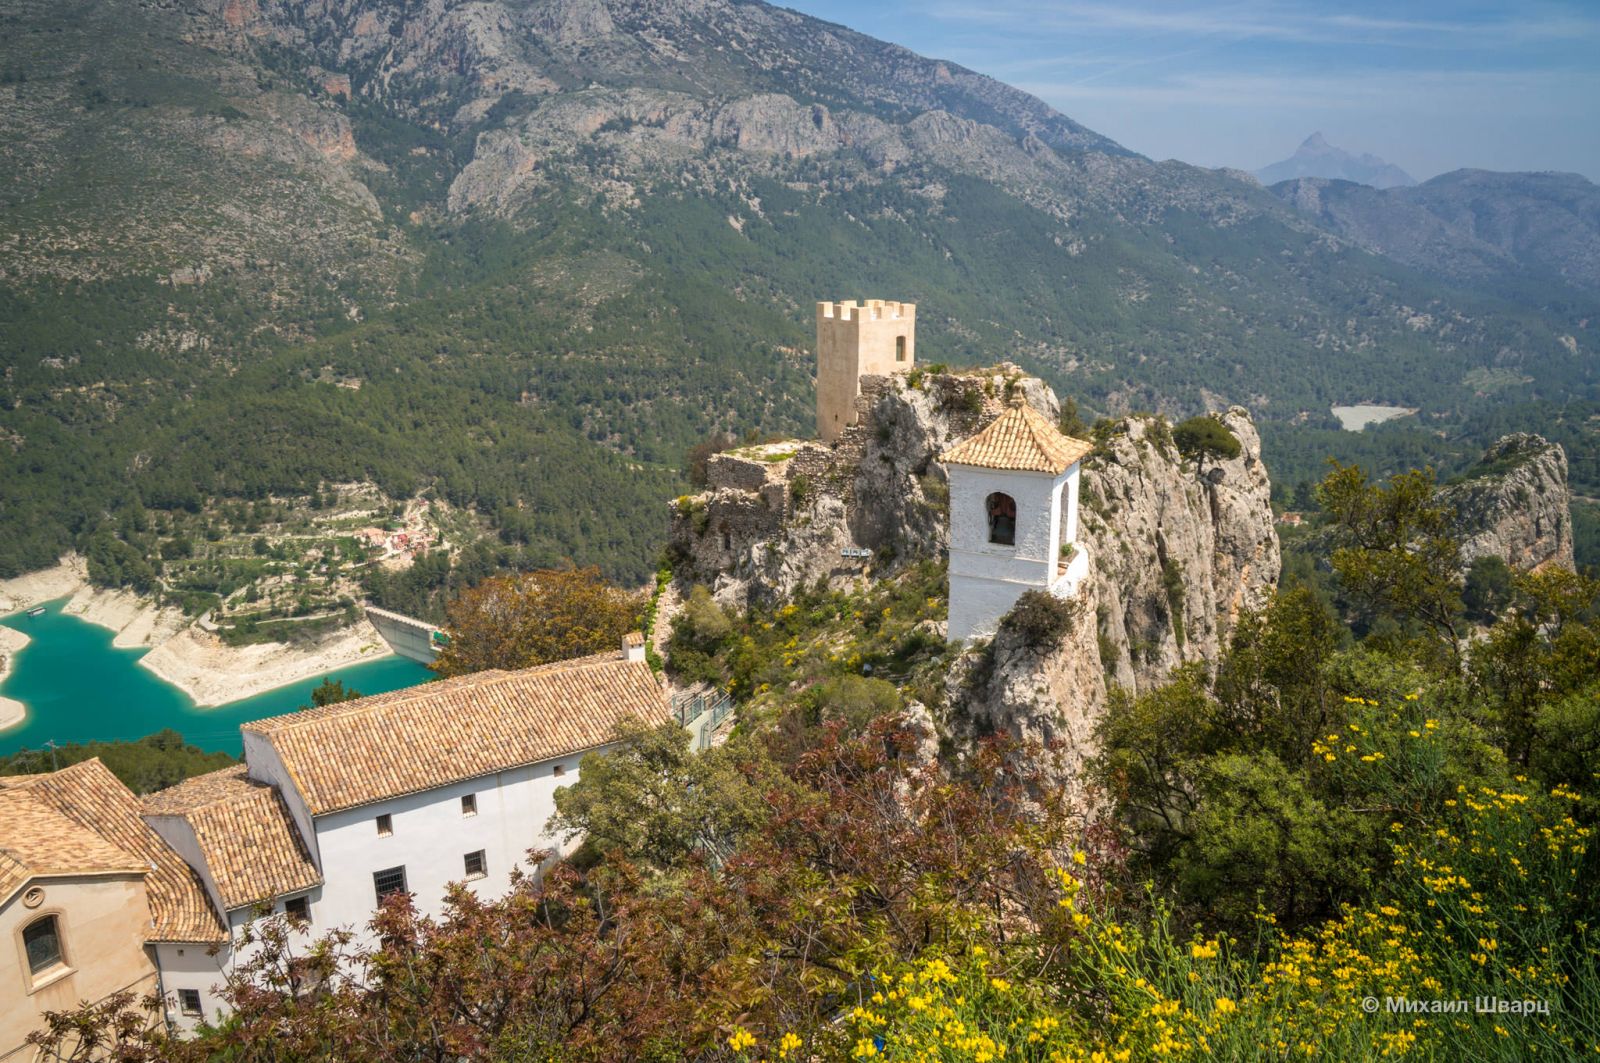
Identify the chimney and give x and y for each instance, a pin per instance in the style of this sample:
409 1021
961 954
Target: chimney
633 646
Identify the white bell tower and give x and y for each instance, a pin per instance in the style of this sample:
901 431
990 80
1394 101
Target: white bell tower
1013 518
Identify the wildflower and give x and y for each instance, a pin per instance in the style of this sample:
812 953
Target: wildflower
787 1044
1226 1006
741 1039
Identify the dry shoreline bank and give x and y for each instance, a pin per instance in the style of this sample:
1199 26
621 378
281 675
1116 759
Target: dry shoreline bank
12 711
195 661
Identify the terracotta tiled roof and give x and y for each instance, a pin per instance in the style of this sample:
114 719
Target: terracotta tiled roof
1020 439
36 840
93 801
250 844
356 752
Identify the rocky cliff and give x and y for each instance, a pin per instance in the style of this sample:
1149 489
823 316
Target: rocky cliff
1176 546
1515 504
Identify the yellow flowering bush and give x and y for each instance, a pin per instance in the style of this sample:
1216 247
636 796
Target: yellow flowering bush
1485 907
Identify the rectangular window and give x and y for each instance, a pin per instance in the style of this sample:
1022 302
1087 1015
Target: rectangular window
559 770
469 804
189 1001
391 880
298 909
899 348
477 866
42 942
385 826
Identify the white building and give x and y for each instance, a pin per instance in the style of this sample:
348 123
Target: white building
1013 518
336 807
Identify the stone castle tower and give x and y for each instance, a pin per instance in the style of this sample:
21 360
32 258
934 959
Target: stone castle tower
873 338
1013 518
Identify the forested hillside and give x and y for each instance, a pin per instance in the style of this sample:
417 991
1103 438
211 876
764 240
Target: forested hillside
521 256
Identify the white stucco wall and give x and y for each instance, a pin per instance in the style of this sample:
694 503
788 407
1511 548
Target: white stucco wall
431 838
195 966
986 579
191 966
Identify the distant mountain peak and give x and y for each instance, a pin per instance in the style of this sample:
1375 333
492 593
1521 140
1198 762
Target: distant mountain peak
1317 158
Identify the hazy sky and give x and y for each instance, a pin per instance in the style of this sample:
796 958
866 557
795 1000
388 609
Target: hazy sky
1431 85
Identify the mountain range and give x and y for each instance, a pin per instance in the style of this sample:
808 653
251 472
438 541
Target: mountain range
522 255
1315 157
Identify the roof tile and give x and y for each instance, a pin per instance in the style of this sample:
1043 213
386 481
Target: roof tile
250 844
91 800
1019 440
356 752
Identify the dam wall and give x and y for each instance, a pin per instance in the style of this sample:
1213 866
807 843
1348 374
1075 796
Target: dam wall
413 639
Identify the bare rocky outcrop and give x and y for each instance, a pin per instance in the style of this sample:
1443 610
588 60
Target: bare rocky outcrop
780 516
1177 546
1515 505
1050 694
1181 545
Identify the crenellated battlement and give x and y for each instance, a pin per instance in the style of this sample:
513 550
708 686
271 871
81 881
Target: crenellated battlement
874 337
867 310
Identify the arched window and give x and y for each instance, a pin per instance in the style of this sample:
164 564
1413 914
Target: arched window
1002 519
42 942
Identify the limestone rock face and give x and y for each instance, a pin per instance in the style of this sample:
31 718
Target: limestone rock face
1176 546
1180 546
1051 695
1515 505
780 516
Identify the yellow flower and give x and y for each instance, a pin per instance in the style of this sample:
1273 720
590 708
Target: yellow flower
741 1039
1226 1006
789 1043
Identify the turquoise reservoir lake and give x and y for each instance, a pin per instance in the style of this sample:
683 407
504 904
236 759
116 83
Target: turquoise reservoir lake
80 688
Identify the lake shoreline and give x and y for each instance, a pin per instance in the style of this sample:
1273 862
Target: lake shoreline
12 711
198 663
213 673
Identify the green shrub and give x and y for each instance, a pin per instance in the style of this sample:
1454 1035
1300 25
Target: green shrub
1205 436
1040 619
1172 584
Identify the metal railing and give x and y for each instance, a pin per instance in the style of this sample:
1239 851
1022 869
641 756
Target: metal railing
704 712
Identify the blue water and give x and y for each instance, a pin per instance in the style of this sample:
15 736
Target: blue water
79 688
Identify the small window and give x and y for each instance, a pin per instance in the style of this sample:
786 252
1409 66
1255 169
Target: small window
477 866
298 909
1002 519
559 770
469 804
385 826
390 880
899 348
42 941
189 1001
